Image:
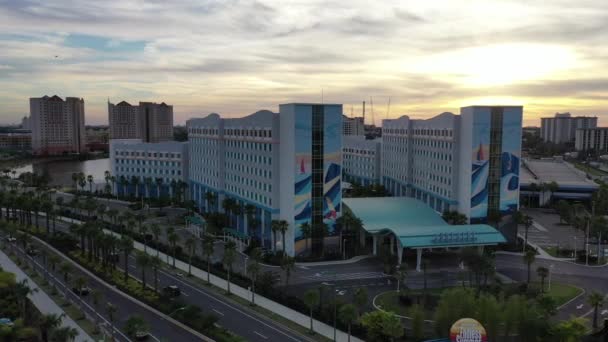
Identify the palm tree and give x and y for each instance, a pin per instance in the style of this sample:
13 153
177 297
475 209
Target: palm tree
249 211
211 198
191 247
155 229
173 239
96 299
148 184
400 274
542 272
65 269
253 268
155 262
90 181
288 265
159 184
275 226
22 290
126 245
596 300
283 226
228 260
75 180
143 231
143 261
64 334
306 232
208 247
552 187
111 310
347 315
311 299
529 258
527 222
135 182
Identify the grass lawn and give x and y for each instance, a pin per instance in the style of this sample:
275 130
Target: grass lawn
562 292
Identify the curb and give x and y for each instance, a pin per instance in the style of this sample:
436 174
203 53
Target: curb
400 316
138 302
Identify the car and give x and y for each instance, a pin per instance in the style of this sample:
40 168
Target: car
11 239
82 291
172 291
179 274
6 322
31 251
141 335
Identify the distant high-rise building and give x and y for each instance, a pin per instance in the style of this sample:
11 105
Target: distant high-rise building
57 125
592 139
150 122
562 128
352 126
25 123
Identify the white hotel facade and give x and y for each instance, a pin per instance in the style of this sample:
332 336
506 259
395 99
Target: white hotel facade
286 165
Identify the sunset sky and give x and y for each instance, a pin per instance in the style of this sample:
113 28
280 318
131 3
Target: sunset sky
236 57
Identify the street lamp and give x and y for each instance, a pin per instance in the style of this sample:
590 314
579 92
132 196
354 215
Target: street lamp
171 314
574 248
550 271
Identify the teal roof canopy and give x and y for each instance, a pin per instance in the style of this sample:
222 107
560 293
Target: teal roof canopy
417 225
195 220
235 233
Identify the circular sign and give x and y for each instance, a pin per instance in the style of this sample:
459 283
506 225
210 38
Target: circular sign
468 330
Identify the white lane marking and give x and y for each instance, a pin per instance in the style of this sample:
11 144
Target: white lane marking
185 294
154 337
133 267
228 305
218 312
539 227
262 336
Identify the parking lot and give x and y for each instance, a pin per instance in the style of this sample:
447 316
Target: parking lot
547 231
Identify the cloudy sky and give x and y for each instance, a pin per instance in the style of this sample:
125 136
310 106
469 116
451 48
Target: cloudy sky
235 57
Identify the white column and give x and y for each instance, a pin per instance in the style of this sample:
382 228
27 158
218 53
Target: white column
375 244
418 259
392 244
480 249
399 254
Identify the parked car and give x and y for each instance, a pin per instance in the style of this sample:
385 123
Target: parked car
6 322
142 335
31 251
81 291
172 291
11 239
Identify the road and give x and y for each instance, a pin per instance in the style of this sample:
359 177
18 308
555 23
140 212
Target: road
237 318
160 329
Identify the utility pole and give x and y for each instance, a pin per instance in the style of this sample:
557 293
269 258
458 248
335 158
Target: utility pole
587 244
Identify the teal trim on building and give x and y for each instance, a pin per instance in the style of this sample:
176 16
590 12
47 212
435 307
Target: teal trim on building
417 225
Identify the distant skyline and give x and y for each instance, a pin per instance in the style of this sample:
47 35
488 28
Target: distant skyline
237 57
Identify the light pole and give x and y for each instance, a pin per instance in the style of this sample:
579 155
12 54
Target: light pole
587 244
574 248
550 271
344 249
178 309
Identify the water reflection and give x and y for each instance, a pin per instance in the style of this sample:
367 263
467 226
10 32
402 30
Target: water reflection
61 171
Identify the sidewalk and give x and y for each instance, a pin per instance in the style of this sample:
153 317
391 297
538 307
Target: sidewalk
292 315
40 299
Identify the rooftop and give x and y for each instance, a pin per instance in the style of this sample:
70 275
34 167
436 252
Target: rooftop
546 171
416 224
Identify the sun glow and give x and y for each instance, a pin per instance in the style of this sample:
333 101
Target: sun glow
501 64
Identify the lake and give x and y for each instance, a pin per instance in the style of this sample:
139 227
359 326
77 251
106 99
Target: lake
61 171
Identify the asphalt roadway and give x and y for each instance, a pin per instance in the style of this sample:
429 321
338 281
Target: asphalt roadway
235 317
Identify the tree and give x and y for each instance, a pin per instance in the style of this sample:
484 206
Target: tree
347 315
570 331
64 334
552 187
306 230
191 247
564 210
360 298
417 315
275 227
126 245
494 217
283 226
228 259
208 247
96 299
288 265
155 229
136 324
253 269
596 300
382 325
173 239
155 262
529 257
143 260
48 323
65 269
311 299
111 310
542 272
90 181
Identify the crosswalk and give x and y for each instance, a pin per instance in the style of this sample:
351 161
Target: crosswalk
345 276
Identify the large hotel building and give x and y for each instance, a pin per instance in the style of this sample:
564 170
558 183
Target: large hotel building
57 125
150 122
290 165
